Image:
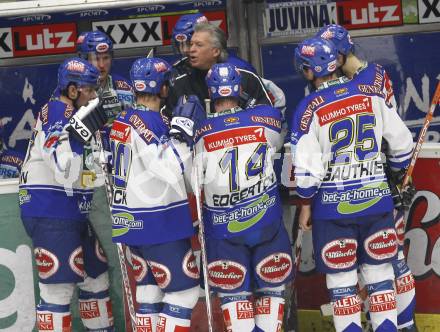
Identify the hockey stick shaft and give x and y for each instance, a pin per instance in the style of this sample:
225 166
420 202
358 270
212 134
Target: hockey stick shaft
421 139
298 248
119 247
197 193
297 260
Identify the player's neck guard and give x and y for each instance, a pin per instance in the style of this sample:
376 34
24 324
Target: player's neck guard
144 108
340 80
225 112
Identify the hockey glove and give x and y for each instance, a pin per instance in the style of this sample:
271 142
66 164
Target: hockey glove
187 116
86 121
406 194
110 105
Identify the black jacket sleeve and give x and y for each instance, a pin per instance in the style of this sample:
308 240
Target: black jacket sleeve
253 90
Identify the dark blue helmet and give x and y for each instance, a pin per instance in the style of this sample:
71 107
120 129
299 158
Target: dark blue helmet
339 36
78 71
318 54
93 42
184 28
149 74
223 80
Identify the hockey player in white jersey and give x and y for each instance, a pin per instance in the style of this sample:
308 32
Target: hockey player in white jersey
248 248
352 66
150 209
56 188
336 139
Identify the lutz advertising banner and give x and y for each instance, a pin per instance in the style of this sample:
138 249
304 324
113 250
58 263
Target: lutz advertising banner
304 17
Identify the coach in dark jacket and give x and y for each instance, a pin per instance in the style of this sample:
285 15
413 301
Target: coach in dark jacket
208 46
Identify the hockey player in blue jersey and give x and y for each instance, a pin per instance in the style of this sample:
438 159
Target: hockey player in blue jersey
352 66
336 139
248 248
115 92
150 209
55 193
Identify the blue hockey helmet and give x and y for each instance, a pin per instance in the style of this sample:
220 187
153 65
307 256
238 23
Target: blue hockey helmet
93 42
149 75
339 36
184 28
223 80
318 54
78 71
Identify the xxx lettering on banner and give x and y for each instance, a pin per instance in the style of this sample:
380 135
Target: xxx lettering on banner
132 33
429 11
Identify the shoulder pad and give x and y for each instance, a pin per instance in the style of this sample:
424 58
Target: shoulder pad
268 116
305 110
263 107
56 110
205 128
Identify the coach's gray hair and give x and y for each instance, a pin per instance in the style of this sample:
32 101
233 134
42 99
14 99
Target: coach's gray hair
218 38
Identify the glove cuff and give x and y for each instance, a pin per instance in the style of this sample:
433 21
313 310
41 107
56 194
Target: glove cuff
185 124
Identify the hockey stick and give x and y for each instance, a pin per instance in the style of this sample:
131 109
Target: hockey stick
421 139
120 249
203 245
290 299
151 53
298 248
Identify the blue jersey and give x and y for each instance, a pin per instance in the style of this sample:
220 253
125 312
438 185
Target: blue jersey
10 164
235 150
336 139
56 180
150 203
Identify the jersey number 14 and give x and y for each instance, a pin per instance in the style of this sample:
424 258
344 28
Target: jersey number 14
255 165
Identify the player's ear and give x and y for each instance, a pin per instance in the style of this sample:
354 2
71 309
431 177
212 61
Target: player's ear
72 92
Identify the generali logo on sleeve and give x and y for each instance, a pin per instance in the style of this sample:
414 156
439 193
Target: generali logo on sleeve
361 14
37 40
